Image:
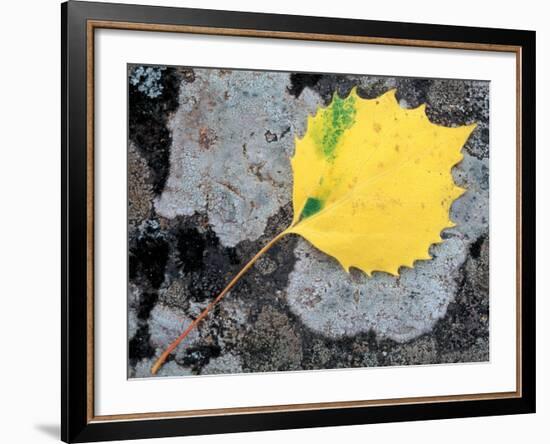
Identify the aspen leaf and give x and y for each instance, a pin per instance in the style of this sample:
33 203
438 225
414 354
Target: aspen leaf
373 183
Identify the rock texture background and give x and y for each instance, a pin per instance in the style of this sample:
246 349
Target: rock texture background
209 183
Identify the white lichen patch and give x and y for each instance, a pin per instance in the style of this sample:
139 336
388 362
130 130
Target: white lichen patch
336 304
232 138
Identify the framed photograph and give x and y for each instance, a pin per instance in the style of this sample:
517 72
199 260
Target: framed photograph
275 221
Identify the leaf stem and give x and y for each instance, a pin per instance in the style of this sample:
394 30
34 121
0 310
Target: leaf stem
160 361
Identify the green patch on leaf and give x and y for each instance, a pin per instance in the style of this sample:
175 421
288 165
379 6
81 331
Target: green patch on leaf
312 206
337 118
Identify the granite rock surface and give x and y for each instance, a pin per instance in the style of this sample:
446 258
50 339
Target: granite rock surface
210 183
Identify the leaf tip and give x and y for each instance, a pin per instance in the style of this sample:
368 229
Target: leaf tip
353 92
425 256
420 109
458 191
466 131
391 92
393 271
335 95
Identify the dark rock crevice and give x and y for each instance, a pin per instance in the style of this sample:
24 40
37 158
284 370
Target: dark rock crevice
148 118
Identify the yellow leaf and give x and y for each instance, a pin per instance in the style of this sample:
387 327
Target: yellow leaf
372 182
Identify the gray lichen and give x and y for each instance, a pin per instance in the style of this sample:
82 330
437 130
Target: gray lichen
147 80
334 303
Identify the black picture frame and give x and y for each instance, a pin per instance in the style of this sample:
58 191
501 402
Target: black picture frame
77 423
